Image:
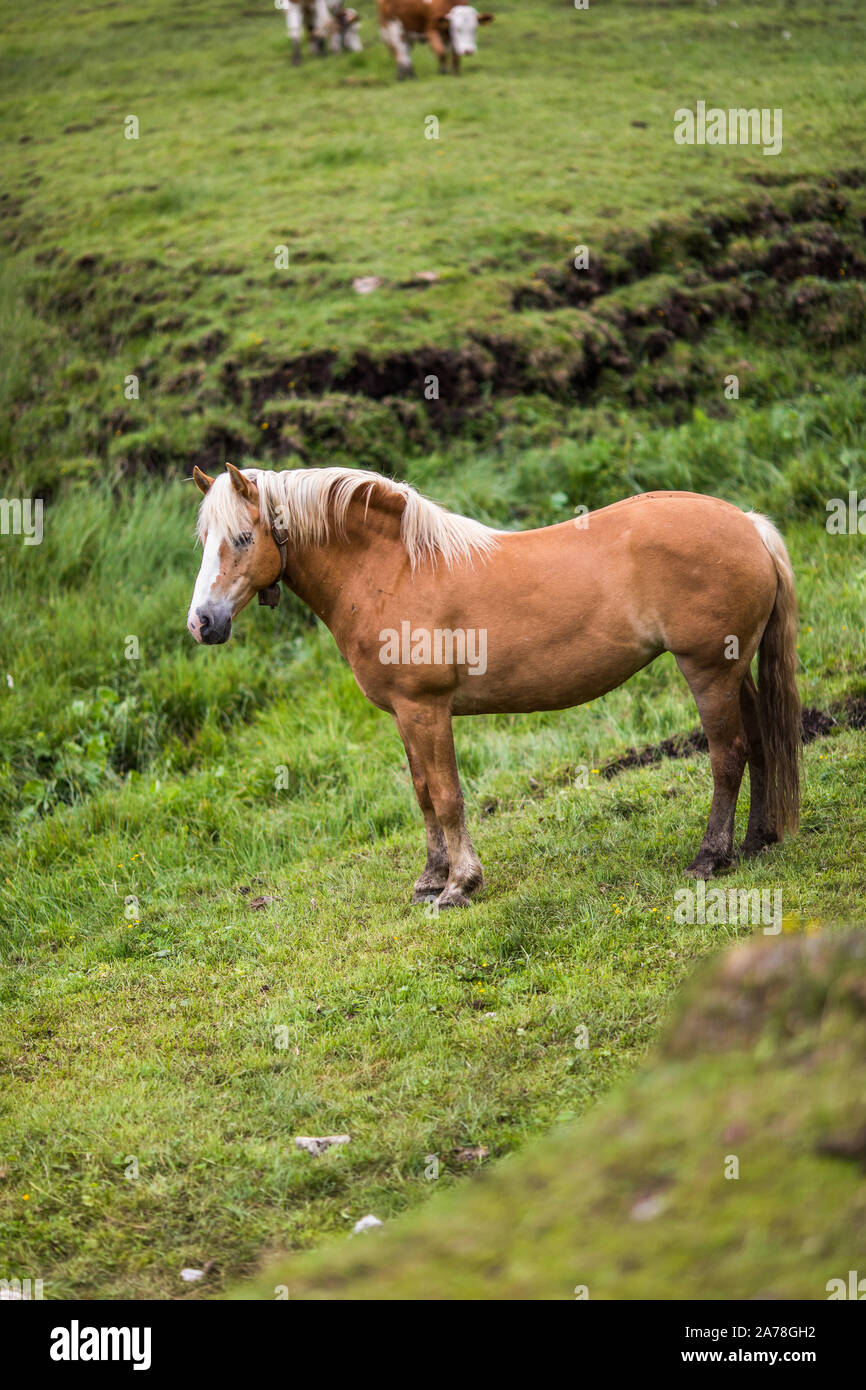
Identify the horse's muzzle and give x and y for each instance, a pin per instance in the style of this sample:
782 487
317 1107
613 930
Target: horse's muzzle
214 624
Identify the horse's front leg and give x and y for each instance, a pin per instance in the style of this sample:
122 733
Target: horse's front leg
435 875
429 742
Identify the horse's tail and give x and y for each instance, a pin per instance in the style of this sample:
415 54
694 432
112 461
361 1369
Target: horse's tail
778 697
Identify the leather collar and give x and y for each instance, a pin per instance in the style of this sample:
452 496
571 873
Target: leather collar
270 596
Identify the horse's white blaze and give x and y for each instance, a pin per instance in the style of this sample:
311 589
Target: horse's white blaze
207 577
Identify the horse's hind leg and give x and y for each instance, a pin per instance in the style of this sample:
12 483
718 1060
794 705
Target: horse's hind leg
717 696
759 833
426 733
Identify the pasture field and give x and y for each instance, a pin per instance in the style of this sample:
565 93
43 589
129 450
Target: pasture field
196 966
640 1200
156 256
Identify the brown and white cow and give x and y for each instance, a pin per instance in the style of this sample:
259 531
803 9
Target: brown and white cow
449 28
341 30
327 23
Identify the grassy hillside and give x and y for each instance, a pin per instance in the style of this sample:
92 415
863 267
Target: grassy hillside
196 966
642 1198
156 256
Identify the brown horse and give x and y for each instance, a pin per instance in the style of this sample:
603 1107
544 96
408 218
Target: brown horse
438 615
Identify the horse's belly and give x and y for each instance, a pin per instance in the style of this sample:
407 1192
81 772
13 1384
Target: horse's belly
545 679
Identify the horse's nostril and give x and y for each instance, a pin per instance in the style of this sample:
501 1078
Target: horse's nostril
203 622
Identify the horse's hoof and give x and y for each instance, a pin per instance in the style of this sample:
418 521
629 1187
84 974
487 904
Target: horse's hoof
753 847
425 895
702 868
705 866
452 897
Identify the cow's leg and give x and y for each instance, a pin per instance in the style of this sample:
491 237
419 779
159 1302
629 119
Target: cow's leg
717 696
294 25
395 39
319 18
427 735
437 43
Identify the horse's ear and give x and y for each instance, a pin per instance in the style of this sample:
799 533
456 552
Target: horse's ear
486 18
242 484
202 481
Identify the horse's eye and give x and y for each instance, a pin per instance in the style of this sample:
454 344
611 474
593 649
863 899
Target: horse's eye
243 540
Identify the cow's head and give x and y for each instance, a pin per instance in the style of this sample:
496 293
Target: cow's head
462 23
350 23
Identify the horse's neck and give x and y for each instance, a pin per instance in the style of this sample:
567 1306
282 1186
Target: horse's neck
368 551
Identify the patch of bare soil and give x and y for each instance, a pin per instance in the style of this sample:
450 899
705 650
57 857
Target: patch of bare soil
817 723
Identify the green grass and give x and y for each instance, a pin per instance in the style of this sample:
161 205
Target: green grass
641 1199
139 815
156 256
156 1040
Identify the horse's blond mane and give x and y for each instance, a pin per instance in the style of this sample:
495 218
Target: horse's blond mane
304 503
